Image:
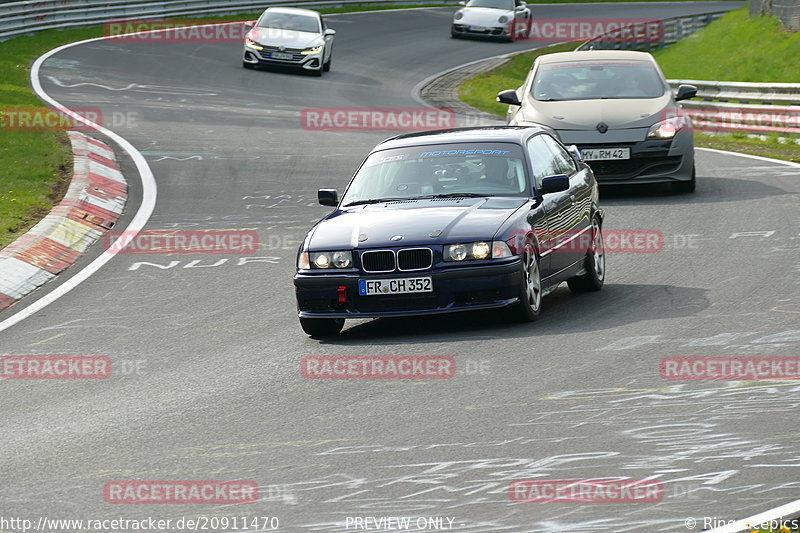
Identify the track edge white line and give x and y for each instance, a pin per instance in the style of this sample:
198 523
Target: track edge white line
149 193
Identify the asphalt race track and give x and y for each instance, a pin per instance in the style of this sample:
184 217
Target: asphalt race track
207 348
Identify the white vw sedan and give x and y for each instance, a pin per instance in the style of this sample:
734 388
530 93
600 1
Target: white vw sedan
488 18
290 37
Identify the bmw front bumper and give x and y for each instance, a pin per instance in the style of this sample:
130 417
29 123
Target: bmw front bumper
461 288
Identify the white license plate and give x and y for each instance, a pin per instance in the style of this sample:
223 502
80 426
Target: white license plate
476 28
372 287
280 55
605 154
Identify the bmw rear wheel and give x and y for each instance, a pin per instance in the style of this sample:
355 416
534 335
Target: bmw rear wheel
321 327
594 263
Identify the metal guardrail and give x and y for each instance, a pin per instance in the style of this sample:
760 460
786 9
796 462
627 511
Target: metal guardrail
722 106
29 16
788 11
651 35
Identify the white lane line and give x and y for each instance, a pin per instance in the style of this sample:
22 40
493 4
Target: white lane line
772 516
749 156
139 220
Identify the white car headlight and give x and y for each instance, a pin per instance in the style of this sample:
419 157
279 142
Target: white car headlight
666 129
475 251
503 19
325 260
459 15
252 44
314 50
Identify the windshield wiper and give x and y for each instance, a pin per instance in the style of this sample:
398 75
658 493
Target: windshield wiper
455 195
376 201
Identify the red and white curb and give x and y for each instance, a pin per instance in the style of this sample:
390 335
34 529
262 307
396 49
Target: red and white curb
92 205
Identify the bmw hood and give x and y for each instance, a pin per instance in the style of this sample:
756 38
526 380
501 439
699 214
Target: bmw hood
586 114
449 221
287 38
484 16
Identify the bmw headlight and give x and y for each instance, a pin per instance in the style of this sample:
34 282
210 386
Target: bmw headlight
252 44
314 50
459 15
666 129
325 260
476 251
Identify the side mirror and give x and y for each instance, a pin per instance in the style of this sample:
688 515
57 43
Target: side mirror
557 183
328 197
329 32
685 92
462 3
509 96
248 24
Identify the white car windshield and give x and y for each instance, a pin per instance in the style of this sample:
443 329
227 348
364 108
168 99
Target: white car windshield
587 80
289 21
447 170
507 5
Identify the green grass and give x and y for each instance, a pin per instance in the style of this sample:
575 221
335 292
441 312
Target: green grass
35 166
739 142
735 48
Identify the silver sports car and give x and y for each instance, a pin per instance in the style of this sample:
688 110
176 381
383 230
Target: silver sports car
290 37
617 108
488 18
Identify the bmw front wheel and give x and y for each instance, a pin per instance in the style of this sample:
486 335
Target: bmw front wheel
530 297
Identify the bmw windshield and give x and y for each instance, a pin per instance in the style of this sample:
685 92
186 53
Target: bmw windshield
588 80
432 171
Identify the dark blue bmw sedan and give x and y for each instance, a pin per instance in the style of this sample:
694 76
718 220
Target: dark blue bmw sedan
454 220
